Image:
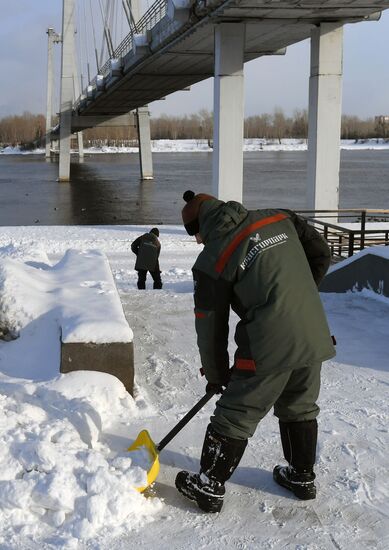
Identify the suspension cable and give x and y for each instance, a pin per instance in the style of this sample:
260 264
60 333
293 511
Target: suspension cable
112 22
107 34
94 38
129 15
77 54
86 42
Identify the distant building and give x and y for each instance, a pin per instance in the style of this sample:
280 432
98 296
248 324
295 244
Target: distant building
382 120
382 125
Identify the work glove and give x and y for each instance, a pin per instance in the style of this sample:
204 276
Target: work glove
215 388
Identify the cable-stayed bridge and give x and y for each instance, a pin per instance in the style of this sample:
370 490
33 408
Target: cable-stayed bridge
177 43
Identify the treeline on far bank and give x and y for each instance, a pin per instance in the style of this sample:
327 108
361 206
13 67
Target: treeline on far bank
28 130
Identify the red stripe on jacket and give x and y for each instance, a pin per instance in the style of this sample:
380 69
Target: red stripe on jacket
200 315
245 364
226 254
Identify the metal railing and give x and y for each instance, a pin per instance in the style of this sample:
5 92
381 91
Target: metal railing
351 230
150 18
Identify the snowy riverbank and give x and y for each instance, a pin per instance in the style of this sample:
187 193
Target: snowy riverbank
65 476
201 146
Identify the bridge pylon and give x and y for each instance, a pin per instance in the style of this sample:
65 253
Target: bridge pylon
144 141
53 38
66 93
227 180
69 90
324 116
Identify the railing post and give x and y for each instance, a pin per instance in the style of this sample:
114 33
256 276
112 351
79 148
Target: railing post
351 243
363 228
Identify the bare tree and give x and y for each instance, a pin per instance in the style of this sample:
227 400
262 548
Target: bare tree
300 124
29 129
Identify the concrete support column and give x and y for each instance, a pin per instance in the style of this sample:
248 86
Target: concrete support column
228 111
325 102
144 139
80 140
76 95
80 137
67 70
50 84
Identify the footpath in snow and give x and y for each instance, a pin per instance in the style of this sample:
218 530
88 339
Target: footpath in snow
66 478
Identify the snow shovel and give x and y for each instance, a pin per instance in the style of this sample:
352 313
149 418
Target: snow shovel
144 441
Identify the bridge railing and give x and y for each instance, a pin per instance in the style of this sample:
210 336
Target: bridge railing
149 19
348 231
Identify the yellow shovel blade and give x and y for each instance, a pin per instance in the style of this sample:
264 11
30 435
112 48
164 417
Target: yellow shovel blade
144 441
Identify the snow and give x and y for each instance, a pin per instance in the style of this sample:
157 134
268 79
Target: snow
201 145
382 251
66 477
65 292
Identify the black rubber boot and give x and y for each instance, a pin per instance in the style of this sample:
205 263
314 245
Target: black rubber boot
299 441
219 458
301 484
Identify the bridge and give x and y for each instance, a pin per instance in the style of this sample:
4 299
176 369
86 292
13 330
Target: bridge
178 43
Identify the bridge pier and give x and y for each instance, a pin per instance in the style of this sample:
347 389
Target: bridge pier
67 70
227 181
53 38
324 124
144 140
80 137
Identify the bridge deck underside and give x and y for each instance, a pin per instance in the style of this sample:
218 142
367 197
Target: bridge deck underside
187 57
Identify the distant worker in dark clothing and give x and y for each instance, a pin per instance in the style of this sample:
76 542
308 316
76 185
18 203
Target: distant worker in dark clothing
147 248
266 266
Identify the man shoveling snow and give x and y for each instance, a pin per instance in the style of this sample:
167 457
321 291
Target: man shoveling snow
265 265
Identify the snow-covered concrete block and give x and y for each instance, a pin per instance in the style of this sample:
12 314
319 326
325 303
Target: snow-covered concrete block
116 66
100 83
90 92
95 336
72 310
369 269
141 44
179 10
116 358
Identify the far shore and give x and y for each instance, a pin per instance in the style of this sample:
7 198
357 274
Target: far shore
203 146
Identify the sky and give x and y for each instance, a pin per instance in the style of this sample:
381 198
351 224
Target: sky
270 82
67 481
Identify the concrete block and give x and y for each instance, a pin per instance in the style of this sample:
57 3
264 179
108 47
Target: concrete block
141 44
116 358
368 271
178 10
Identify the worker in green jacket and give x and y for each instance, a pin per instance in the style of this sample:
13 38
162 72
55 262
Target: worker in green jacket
147 249
266 265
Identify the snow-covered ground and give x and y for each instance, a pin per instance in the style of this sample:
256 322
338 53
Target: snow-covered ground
201 145
66 479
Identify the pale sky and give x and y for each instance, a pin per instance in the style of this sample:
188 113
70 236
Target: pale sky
270 82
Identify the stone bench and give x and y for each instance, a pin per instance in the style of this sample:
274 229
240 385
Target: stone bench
76 301
94 331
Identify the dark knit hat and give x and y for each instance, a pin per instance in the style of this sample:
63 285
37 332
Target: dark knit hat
155 230
191 211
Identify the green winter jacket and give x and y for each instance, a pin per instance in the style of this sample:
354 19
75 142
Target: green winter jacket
265 265
147 249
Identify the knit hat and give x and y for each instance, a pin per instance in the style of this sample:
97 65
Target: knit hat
191 211
155 230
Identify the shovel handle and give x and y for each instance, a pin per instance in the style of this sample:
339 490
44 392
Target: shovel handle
189 415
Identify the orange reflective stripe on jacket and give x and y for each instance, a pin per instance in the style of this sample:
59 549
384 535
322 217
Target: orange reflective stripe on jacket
227 253
200 315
